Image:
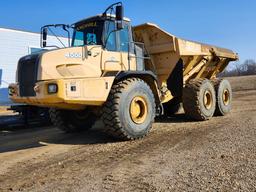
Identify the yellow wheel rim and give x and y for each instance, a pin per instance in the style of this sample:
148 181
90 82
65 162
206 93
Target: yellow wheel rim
226 97
138 110
208 100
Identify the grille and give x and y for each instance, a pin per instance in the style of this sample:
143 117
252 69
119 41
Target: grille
27 75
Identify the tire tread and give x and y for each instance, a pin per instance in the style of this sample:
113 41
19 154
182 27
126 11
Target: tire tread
110 110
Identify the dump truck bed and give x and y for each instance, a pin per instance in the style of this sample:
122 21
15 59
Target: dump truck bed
166 50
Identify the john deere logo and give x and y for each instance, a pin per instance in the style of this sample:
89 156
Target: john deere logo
73 55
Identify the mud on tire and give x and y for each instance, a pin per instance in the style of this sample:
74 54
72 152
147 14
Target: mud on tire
130 110
72 121
199 99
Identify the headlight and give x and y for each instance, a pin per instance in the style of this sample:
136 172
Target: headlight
52 88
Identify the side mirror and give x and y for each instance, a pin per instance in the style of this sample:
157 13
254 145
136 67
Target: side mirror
119 13
119 17
45 32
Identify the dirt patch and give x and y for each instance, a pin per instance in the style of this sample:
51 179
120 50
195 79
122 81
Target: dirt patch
243 83
178 155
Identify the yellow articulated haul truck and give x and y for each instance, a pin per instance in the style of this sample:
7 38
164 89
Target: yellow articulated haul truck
125 75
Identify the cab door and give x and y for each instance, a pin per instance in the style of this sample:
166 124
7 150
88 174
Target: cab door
111 56
126 47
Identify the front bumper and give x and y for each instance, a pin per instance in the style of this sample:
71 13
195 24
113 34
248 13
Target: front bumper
71 94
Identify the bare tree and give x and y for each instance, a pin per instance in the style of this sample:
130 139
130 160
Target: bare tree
247 68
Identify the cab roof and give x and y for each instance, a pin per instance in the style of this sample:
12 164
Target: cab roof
99 17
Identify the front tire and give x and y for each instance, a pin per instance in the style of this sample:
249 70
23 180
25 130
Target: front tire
130 110
72 121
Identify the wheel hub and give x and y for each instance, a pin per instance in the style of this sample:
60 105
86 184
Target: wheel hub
226 97
138 110
208 99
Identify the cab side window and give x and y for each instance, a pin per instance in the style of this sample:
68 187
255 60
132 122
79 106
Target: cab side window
78 39
111 36
124 39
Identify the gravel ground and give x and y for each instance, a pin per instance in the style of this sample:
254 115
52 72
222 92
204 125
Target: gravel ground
178 155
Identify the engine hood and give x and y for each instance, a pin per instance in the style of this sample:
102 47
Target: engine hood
74 62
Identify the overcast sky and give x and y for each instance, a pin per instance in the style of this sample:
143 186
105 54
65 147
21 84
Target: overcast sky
226 23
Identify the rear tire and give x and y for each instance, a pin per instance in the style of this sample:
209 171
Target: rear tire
72 121
199 99
224 97
130 110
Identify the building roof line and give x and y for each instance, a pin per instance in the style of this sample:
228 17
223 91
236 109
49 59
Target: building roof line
26 32
18 30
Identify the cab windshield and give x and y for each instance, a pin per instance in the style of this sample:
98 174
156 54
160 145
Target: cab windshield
88 34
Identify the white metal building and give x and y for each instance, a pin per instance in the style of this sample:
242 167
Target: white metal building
15 44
